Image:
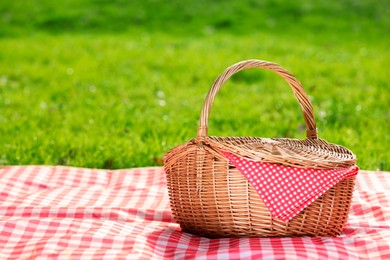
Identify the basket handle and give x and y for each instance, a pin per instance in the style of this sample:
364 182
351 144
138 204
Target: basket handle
296 86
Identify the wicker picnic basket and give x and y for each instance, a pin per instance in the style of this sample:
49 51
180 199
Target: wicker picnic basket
210 197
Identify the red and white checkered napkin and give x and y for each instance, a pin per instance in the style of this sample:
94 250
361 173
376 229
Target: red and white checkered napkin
286 190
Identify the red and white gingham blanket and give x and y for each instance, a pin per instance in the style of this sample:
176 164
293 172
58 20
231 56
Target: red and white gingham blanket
76 213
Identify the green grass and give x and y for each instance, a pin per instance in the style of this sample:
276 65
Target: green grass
109 84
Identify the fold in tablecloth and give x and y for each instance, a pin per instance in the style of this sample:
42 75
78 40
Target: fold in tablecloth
77 213
286 190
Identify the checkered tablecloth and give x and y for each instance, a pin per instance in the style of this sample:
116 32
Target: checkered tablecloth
76 213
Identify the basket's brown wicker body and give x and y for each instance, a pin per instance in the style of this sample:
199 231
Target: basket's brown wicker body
210 197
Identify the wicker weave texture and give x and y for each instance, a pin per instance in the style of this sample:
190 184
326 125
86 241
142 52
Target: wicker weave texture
210 197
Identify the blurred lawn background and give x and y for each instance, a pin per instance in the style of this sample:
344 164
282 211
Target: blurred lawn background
115 84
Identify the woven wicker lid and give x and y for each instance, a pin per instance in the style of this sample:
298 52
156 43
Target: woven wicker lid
312 152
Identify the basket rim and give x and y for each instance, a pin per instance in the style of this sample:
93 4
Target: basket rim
301 153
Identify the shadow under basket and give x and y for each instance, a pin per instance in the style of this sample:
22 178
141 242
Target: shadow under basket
210 197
